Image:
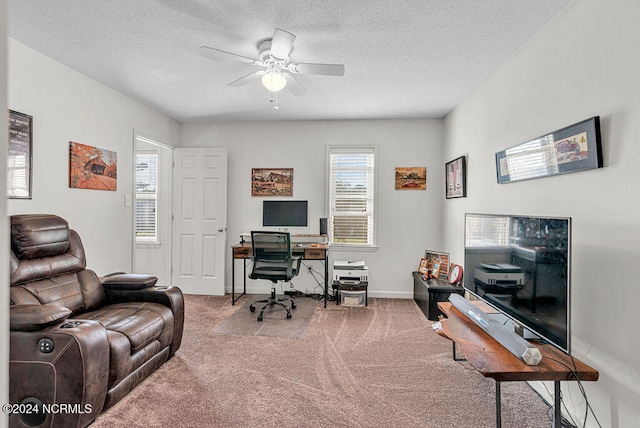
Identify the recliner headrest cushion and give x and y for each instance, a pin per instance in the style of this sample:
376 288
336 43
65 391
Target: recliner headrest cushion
38 235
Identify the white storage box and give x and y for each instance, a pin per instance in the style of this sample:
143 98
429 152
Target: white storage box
352 298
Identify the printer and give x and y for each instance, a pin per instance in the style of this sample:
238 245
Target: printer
499 274
350 273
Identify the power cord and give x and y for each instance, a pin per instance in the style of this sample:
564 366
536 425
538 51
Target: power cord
588 408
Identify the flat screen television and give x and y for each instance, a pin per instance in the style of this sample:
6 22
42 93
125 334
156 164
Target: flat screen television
285 213
521 266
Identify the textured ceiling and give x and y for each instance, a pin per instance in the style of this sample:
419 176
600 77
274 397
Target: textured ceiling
403 59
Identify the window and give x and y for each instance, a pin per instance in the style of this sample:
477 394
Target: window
486 231
146 197
351 196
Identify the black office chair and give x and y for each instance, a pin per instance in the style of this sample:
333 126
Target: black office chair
272 260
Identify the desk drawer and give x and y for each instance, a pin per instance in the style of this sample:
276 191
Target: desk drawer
242 252
314 253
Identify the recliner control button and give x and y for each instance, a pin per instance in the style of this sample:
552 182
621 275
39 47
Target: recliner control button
70 324
45 345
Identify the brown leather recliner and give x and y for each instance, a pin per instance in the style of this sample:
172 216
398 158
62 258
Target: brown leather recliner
79 343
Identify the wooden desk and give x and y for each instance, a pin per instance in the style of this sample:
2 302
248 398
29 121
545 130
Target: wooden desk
308 251
493 360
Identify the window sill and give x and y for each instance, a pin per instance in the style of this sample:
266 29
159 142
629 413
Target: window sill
148 245
353 248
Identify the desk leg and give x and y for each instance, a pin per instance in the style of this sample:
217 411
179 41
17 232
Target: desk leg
557 410
326 276
244 276
233 279
498 406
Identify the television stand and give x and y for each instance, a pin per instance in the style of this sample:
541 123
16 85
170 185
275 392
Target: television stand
493 360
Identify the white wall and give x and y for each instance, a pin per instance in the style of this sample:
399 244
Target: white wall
68 106
408 221
584 63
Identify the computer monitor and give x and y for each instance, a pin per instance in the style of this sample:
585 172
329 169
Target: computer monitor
285 213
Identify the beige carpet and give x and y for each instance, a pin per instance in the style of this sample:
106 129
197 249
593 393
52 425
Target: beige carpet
274 321
378 366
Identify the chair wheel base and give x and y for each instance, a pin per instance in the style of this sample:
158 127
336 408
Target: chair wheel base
273 301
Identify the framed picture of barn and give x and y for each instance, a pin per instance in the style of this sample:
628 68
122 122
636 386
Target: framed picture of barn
92 168
272 182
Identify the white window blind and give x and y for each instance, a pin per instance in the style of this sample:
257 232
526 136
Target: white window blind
486 231
351 196
146 197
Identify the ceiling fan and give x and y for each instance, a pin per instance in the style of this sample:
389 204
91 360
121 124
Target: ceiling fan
279 70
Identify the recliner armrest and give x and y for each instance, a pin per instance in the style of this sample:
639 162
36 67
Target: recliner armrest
166 295
36 317
74 370
128 281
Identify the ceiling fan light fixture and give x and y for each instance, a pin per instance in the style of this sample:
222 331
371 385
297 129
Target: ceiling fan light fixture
273 80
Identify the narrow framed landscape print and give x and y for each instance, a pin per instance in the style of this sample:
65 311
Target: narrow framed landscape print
574 148
272 182
456 178
19 156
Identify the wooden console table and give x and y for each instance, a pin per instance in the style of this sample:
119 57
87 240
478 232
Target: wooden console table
493 360
306 250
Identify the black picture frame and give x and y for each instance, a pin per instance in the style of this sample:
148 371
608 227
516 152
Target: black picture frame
577 147
19 158
456 178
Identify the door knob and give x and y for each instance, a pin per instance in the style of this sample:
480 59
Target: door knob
222 229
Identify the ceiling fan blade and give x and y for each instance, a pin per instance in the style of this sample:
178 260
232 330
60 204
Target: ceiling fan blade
294 86
322 69
216 54
245 79
281 43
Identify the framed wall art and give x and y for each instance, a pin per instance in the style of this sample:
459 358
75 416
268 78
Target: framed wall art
272 182
456 178
92 168
19 156
575 148
411 178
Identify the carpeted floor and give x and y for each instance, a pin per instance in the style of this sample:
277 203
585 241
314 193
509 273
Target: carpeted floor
274 321
377 366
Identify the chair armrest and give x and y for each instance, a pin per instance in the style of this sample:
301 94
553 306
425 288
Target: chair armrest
295 261
128 281
168 296
74 370
36 317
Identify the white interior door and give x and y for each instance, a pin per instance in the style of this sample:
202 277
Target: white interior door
200 220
